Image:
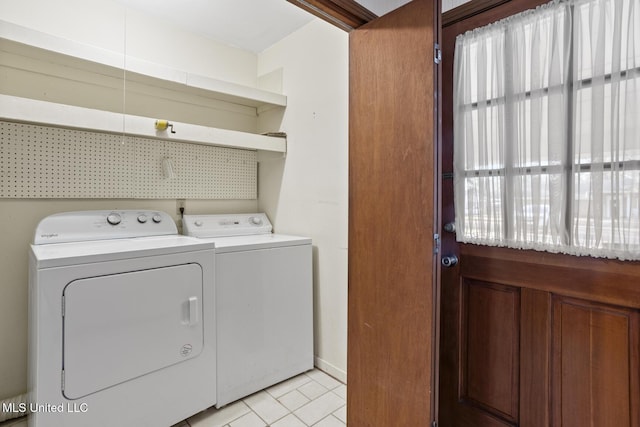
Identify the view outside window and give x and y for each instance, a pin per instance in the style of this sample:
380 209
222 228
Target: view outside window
547 130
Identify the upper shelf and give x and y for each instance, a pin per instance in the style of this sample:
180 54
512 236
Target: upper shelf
34 44
14 108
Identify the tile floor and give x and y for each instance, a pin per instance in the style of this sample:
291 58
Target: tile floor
310 399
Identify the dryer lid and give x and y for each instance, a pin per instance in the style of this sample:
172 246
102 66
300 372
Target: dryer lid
226 225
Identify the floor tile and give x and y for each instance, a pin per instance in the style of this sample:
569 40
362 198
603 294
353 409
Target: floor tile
329 421
341 414
219 417
293 400
286 386
266 406
323 379
312 390
341 391
249 420
317 409
310 399
289 421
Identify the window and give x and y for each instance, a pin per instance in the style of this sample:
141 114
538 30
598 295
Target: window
547 130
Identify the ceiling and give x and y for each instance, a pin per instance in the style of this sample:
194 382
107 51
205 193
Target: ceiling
253 25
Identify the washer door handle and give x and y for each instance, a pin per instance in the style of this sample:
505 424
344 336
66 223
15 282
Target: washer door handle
193 311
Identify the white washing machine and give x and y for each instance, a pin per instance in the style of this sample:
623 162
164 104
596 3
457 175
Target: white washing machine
264 302
122 329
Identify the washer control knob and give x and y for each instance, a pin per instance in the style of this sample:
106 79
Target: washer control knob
142 218
198 223
255 220
157 218
114 219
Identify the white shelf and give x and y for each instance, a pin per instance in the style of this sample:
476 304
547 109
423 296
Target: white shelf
48 113
33 44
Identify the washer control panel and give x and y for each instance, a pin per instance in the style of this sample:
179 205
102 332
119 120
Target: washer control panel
103 225
226 225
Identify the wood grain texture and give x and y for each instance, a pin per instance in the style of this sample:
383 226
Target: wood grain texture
489 372
578 325
593 365
535 351
345 14
391 220
595 279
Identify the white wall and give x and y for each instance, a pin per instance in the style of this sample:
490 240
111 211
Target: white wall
307 193
100 23
108 25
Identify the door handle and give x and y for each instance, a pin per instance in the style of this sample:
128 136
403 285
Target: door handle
449 261
193 311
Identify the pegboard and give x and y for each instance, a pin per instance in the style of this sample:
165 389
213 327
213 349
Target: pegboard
49 162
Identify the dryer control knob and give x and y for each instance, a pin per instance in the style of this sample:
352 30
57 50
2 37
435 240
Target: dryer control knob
256 220
198 223
157 219
142 219
114 219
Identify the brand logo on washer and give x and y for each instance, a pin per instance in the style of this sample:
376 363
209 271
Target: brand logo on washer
49 236
186 350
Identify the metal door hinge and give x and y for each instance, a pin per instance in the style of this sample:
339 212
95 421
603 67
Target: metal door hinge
436 246
437 53
434 424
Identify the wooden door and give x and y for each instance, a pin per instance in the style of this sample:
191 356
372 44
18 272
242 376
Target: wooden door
392 219
531 339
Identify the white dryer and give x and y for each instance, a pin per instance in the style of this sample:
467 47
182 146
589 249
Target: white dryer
264 302
122 329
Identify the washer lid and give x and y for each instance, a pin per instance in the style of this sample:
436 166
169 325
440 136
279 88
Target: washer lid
261 241
226 225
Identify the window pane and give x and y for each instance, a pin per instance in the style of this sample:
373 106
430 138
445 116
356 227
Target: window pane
537 51
482 138
531 127
482 211
537 213
606 122
607 210
604 37
482 65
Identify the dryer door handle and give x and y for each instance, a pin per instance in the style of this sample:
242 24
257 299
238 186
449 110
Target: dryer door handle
193 311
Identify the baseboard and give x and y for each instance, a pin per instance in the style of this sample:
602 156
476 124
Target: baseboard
330 369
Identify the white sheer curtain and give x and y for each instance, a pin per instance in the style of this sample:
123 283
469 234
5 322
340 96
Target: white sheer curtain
547 130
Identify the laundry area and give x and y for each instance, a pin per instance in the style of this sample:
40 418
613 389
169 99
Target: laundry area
174 215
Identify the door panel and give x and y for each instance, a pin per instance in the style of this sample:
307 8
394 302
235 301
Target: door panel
535 339
489 371
571 322
392 219
591 348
